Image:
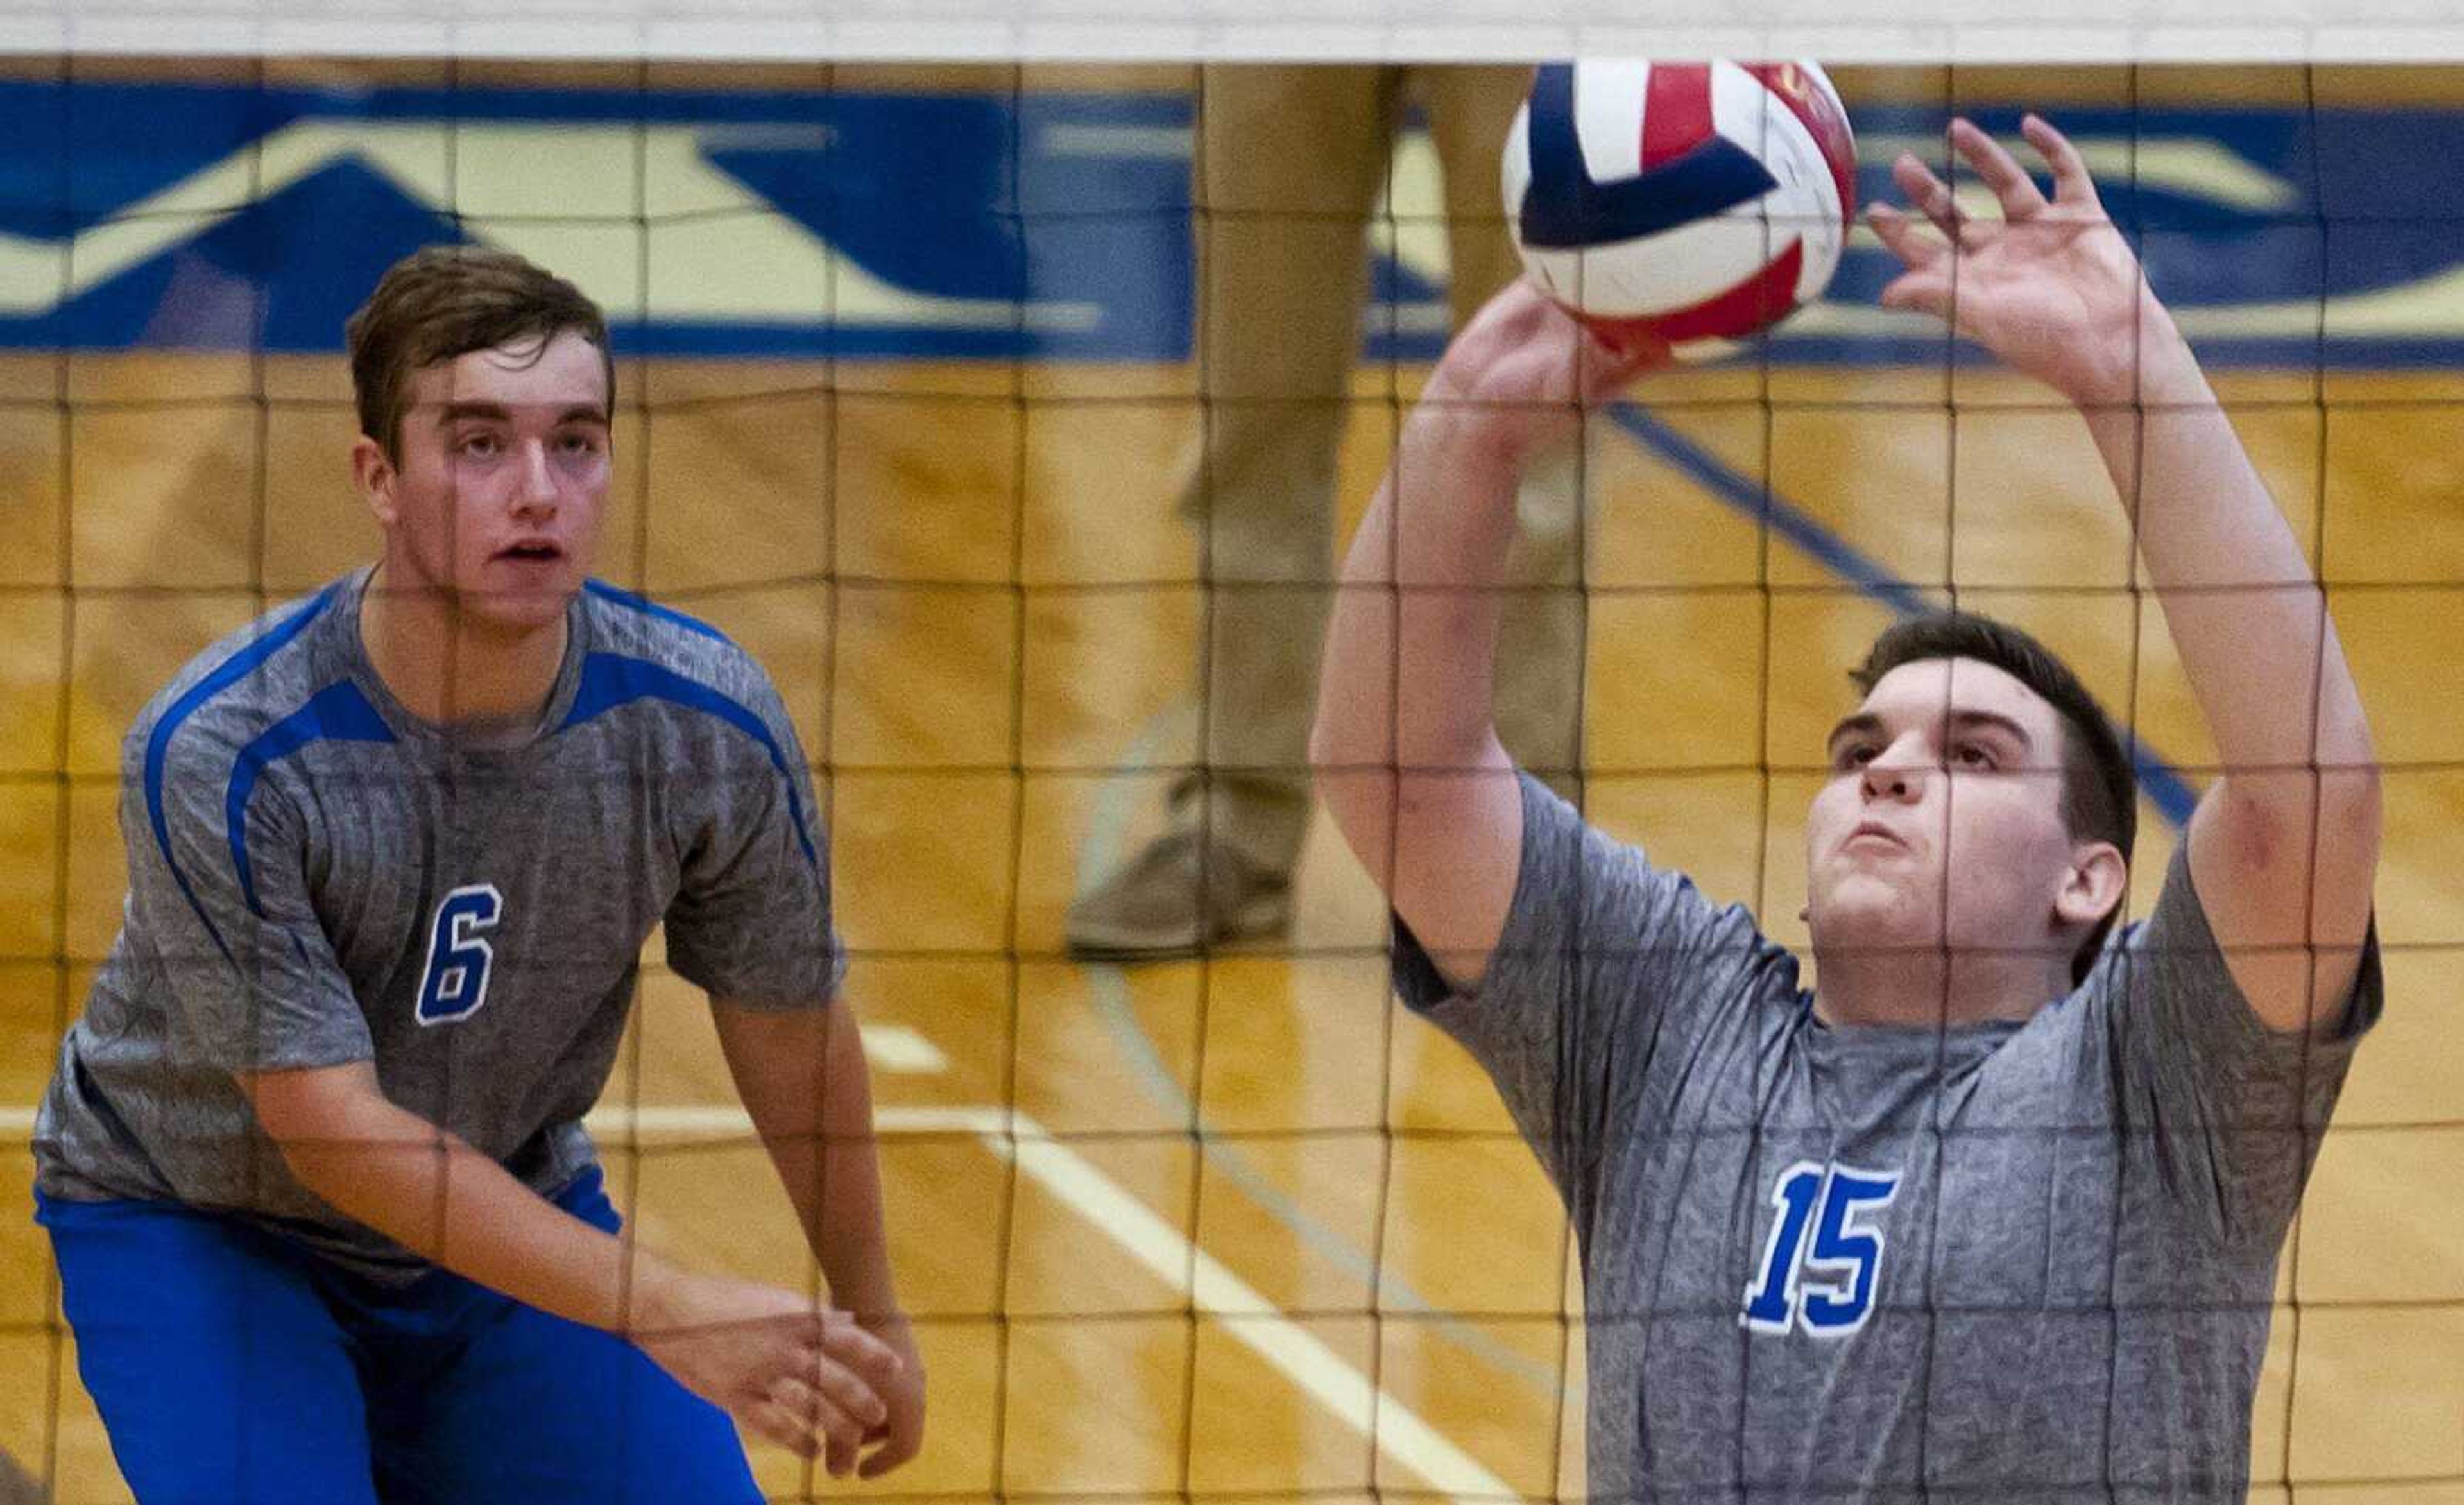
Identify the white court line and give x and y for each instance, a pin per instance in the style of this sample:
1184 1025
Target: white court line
1255 1322
896 1047
1252 1320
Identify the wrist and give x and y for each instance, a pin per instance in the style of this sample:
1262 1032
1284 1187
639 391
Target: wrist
866 1294
2150 365
653 1297
884 1320
1469 442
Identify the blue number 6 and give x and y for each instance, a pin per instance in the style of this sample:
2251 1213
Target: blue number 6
454 983
1833 1293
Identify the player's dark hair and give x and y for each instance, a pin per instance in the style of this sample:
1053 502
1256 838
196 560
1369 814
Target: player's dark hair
2099 798
442 301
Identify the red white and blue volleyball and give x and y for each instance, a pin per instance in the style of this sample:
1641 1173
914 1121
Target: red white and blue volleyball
1696 202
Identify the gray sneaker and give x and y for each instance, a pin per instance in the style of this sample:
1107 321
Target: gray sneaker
1165 903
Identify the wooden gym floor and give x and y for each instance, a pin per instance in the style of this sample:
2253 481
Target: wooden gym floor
1335 1288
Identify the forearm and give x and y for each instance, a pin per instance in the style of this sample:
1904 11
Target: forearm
808 1090
1410 668
432 1193
2244 610
2284 846
846 1231
1406 695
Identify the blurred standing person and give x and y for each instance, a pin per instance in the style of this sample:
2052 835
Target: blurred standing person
1290 162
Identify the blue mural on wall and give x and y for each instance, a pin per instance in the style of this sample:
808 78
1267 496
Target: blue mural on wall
1041 226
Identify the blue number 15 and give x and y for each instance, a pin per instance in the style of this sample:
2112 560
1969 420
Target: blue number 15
1828 1290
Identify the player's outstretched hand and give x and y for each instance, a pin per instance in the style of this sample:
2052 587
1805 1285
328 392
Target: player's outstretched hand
1523 370
810 1380
900 1434
2051 288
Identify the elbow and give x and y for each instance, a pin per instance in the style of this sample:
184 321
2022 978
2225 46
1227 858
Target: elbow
2350 787
314 1158
289 1110
1353 768
1330 763
2352 802
1343 745
1325 746
323 1121
2359 770
1336 724
2323 822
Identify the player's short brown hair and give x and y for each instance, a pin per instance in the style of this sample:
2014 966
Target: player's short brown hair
2100 797
442 301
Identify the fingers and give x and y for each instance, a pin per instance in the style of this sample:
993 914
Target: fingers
1922 292
847 1394
1932 196
901 1437
850 1371
1611 359
1900 238
2000 171
775 1424
2071 183
842 1446
802 1420
822 1396
1925 285
817 1418
900 1444
2019 196
839 1337
1515 312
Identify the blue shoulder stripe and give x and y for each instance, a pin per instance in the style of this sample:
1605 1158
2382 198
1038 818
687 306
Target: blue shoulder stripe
651 608
338 713
231 671
609 680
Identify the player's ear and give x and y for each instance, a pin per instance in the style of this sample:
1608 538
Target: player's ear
372 472
2092 884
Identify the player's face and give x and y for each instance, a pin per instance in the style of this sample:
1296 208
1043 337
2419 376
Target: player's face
502 479
1941 825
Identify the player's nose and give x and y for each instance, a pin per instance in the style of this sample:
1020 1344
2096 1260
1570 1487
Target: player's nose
1896 773
535 491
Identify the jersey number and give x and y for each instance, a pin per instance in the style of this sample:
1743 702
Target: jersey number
1830 1291
456 983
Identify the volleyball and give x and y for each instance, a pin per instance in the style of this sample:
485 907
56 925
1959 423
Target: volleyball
1695 202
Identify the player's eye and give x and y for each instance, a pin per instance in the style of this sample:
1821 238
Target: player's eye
480 446
1854 755
578 443
1972 755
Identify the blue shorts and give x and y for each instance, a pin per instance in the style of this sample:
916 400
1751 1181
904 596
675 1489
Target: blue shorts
236 1367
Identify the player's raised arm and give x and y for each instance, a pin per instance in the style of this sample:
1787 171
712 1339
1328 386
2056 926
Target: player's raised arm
2284 847
1405 742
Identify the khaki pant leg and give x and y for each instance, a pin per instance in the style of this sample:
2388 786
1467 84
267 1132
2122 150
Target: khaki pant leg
1290 158
1540 639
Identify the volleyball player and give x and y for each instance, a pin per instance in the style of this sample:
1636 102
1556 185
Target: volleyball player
328 1225
1993 1210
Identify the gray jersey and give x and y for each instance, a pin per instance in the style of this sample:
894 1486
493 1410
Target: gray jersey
2009 1262
318 878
